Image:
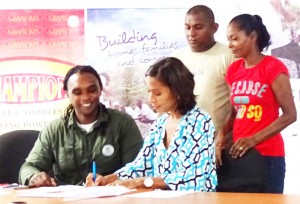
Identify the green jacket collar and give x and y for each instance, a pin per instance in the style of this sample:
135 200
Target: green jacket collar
103 116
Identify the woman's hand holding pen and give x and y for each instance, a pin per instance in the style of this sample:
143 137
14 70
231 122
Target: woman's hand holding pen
100 180
41 179
112 180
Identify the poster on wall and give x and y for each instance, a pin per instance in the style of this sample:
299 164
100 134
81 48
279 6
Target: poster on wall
122 43
38 48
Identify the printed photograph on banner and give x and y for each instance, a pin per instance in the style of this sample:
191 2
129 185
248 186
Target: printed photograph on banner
282 18
289 53
40 47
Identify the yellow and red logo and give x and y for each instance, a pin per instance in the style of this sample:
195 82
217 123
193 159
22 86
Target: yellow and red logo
32 79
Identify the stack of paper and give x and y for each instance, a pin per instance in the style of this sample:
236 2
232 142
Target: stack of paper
70 191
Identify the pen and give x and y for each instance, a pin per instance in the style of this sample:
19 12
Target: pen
16 186
94 171
13 185
20 187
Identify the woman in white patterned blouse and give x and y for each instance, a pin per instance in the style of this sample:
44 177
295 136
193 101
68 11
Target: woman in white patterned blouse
178 153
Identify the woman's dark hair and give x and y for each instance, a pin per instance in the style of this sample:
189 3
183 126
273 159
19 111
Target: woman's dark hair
79 69
250 23
174 74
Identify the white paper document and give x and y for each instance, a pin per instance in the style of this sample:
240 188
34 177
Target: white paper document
70 191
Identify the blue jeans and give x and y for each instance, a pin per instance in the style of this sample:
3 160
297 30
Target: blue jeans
275 174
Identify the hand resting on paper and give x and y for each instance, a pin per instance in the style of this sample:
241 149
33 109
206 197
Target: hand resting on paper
41 179
135 183
112 180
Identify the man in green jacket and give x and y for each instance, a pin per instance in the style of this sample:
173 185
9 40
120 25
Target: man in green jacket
88 132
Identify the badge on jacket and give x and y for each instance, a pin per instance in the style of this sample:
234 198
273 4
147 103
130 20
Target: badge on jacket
108 150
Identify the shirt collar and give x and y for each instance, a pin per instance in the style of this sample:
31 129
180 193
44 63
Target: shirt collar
103 116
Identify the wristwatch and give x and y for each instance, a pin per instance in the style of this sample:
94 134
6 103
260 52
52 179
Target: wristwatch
148 182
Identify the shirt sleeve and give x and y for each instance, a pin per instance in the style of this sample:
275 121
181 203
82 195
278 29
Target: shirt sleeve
39 159
143 164
275 69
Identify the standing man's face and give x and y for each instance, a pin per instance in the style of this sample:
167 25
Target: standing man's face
199 32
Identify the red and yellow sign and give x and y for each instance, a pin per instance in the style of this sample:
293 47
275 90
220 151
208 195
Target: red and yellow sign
37 47
35 80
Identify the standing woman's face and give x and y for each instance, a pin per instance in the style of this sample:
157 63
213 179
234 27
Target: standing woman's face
240 44
161 97
84 92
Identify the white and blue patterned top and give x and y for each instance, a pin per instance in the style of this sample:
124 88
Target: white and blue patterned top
189 161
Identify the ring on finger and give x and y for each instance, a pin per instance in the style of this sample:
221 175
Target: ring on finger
241 148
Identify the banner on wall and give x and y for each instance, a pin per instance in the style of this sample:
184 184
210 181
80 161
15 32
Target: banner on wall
123 43
38 48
